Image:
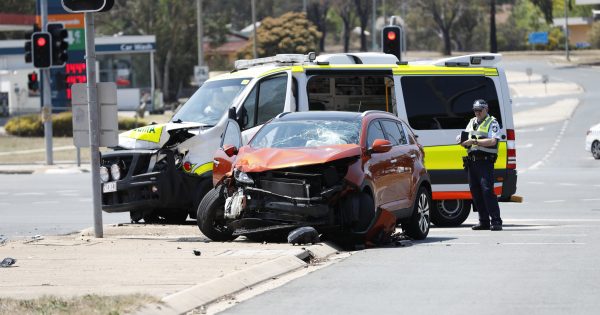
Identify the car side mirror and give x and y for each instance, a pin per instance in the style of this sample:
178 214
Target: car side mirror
230 150
232 113
381 146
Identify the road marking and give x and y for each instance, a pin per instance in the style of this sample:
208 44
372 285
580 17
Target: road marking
45 202
67 191
567 184
536 183
525 146
530 130
542 243
554 201
563 235
29 194
551 150
591 199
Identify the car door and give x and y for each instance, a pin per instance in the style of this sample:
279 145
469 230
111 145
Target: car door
222 162
401 164
378 167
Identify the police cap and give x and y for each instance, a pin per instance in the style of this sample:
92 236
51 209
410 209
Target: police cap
480 104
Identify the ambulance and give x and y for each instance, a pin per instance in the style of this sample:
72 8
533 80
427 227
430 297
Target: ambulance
163 171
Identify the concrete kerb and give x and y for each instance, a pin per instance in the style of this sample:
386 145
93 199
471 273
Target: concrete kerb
211 291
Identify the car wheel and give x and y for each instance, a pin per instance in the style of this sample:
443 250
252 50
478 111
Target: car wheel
596 150
450 212
417 226
210 218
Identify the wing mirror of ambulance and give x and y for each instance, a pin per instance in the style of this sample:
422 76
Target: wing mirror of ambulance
380 146
230 150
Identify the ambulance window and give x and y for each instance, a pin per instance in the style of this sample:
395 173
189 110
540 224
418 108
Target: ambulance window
446 102
270 96
374 132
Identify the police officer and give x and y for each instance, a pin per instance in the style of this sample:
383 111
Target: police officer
482 146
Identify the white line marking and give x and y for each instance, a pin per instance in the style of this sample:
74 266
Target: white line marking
592 199
450 243
29 194
567 184
552 149
525 146
530 130
564 235
554 201
536 183
67 191
542 243
45 202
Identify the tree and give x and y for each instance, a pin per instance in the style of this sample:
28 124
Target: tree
363 11
493 39
344 10
317 13
289 33
26 7
444 13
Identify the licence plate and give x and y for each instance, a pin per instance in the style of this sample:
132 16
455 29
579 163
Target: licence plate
109 187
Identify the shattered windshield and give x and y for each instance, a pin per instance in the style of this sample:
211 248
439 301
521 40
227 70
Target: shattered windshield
307 133
211 101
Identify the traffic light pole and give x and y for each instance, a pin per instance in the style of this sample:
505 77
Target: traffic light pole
94 120
46 95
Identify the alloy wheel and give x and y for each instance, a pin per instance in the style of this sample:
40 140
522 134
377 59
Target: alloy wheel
423 208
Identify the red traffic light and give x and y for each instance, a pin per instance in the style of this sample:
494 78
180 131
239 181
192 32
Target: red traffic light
41 42
33 76
391 35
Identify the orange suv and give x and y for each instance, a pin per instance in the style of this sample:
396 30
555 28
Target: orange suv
339 172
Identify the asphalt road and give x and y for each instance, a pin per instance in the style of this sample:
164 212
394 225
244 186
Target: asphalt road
47 204
544 262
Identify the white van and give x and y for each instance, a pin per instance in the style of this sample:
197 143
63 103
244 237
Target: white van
434 97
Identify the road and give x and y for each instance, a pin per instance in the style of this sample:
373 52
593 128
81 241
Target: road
544 262
47 204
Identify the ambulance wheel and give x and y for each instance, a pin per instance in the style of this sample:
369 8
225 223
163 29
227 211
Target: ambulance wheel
596 150
452 212
210 219
417 226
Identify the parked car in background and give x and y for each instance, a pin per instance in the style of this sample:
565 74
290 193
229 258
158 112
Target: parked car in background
339 172
592 141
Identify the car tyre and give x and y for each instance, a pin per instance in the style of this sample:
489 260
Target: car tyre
210 218
417 226
596 150
447 213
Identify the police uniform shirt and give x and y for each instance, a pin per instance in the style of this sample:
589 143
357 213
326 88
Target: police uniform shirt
493 131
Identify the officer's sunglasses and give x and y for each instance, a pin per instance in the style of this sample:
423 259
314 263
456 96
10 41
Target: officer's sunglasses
478 110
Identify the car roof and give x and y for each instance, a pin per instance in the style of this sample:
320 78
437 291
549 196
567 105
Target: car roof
318 115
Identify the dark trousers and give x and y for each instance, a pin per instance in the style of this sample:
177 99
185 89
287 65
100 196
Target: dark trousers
481 183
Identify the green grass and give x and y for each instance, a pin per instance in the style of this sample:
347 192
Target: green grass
87 304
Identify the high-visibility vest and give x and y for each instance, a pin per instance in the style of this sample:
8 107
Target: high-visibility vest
481 133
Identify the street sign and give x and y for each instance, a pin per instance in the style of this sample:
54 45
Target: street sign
538 38
107 99
200 74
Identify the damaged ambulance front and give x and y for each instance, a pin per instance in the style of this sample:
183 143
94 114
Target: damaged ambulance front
162 171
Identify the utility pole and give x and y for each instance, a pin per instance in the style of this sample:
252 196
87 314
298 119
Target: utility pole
94 108
567 29
493 39
373 18
200 33
254 30
46 95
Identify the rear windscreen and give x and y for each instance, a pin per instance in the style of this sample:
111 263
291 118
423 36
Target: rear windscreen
446 102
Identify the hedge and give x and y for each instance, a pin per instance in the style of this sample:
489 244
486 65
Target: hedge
62 125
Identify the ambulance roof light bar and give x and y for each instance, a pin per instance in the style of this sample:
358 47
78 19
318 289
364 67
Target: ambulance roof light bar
477 60
277 59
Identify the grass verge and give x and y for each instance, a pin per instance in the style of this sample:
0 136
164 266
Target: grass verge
87 304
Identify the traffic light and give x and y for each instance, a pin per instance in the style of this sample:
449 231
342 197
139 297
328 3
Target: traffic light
33 84
392 38
27 47
76 6
42 49
59 45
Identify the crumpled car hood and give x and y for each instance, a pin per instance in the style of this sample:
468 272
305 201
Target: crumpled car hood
152 136
259 160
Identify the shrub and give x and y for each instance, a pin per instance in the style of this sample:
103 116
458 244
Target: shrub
62 125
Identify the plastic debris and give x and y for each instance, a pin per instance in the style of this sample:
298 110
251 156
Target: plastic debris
7 262
197 252
303 235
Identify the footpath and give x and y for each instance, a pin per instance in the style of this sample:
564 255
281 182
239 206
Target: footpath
175 263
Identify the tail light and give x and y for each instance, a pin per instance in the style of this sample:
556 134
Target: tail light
511 152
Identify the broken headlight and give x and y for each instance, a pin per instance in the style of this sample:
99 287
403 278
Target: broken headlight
242 177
